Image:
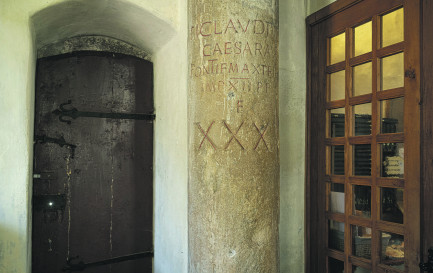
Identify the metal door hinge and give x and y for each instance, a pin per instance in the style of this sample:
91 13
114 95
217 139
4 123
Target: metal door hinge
59 141
81 266
410 73
428 266
67 115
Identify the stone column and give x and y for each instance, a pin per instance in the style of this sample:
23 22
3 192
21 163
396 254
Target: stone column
233 136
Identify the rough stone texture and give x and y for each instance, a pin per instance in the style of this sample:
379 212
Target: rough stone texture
93 43
233 136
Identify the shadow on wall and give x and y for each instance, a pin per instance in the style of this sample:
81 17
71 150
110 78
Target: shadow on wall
117 19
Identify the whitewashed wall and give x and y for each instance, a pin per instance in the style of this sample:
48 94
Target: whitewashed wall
315 5
292 134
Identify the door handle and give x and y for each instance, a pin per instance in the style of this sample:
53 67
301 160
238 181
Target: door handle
428 266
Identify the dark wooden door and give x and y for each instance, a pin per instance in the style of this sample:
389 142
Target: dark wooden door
93 199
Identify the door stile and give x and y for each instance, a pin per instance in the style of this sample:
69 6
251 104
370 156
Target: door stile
321 151
347 151
313 253
427 129
412 133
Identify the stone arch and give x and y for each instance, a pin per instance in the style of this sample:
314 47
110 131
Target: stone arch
91 43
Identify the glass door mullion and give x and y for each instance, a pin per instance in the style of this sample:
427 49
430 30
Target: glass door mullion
375 197
348 153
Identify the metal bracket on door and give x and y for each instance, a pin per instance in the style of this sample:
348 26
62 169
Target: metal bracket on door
428 266
60 141
50 175
73 113
81 266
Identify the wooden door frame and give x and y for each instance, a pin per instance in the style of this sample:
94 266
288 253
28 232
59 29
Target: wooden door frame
426 129
419 38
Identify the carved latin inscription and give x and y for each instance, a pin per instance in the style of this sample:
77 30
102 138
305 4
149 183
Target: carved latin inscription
262 133
205 134
232 67
232 26
234 135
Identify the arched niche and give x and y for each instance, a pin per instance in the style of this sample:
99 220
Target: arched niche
120 20
124 23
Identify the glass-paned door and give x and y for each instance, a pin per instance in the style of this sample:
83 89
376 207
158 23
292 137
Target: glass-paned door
367 178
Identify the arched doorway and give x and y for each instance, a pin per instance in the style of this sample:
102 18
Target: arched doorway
148 25
123 20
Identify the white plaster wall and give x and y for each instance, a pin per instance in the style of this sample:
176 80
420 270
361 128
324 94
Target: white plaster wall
132 22
147 24
17 61
292 90
166 10
315 5
171 153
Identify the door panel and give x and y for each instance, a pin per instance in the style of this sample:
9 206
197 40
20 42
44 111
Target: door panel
107 178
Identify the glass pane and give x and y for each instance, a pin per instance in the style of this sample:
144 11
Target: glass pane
362 119
336 235
393 27
392 158
392 71
335 266
392 205
336 198
392 253
362 160
337 85
362 79
338 48
337 122
361 239
337 160
362 201
357 269
363 37
392 115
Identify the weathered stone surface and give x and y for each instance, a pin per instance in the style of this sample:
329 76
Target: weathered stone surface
233 136
92 43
